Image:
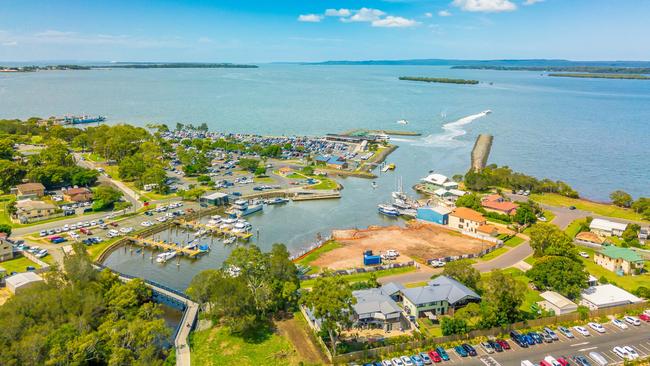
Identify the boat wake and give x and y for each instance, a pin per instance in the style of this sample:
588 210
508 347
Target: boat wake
452 130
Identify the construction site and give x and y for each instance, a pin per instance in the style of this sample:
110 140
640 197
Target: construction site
417 241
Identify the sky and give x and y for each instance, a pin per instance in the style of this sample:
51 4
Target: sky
315 30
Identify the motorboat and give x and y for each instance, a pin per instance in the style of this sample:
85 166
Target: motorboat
388 210
164 257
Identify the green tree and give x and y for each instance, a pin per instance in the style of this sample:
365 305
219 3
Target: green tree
10 174
5 228
331 301
621 198
548 239
249 164
631 233
6 149
560 274
105 197
525 214
463 271
471 200
502 297
641 204
453 325
83 176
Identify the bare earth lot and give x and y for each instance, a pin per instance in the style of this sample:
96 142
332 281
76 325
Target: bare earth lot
416 242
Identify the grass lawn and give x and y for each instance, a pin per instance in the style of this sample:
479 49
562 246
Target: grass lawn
429 329
296 176
360 277
532 296
18 265
215 346
595 207
574 227
96 249
548 215
493 254
4 215
263 180
513 242
325 184
306 260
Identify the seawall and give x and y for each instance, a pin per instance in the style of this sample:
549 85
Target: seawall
481 152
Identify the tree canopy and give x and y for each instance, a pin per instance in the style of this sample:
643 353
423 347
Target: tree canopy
547 239
561 274
463 272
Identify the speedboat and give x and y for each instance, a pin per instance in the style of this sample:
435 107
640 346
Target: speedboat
388 210
402 122
164 257
276 201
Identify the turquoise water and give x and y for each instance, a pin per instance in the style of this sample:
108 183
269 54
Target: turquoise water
592 134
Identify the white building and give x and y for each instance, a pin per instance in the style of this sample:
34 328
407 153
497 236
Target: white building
605 296
604 227
435 180
21 281
557 303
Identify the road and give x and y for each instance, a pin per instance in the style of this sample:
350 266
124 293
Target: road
637 337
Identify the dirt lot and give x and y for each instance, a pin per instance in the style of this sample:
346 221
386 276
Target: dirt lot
418 242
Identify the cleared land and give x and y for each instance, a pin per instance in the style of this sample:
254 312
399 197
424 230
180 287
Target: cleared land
416 242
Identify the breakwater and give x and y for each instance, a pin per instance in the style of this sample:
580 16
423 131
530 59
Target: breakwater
481 152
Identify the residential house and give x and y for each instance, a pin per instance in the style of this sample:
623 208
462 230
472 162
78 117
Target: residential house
487 229
442 295
30 190
606 228
644 234
466 219
375 308
556 303
449 195
605 296
589 237
28 209
436 181
6 250
619 260
81 194
439 215
496 203
22 281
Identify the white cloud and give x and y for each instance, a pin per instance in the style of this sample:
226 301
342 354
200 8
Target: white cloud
532 2
205 40
394 22
9 43
338 12
365 15
310 18
485 6
444 13
428 15
54 33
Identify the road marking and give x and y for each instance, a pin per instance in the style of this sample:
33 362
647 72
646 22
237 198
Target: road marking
644 347
489 361
579 344
586 349
607 355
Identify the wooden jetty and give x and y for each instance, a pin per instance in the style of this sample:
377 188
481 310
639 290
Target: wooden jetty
192 253
212 230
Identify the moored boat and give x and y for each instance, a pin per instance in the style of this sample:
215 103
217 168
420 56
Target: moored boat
387 210
164 257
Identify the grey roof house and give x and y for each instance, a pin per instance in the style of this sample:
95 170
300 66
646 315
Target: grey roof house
441 295
375 308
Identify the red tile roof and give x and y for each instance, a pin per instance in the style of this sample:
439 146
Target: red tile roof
468 214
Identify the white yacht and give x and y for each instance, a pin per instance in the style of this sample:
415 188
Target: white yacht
402 122
164 257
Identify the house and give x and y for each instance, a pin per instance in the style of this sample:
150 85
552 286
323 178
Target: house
376 309
82 194
644 234
22 281
619 260
488 229
337 162
321 159
442 295
28 209
605 296
439 215
436 181
556 303
589 237
28 190
496 203
214 199
606 228
6 250
466 219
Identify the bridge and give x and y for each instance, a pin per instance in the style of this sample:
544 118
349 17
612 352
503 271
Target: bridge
176 299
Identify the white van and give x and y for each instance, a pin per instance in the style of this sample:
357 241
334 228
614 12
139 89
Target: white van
552 361
598 359
527 363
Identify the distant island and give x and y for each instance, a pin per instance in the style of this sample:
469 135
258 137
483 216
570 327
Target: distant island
176 65
33 68
438 80
602 76
486 63
575 69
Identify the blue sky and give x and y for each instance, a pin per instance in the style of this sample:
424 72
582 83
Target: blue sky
314 30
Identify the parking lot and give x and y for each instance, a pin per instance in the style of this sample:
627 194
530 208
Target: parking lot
638 337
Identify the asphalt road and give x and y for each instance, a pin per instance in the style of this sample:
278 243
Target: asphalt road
637 337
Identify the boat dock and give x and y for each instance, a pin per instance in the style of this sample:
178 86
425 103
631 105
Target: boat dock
192 253
316 196
212 230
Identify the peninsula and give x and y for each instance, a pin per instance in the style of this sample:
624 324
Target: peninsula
550 68
601 76
438 80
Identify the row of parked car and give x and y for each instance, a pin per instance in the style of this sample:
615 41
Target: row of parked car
525 340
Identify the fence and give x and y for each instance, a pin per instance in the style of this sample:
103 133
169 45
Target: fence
361 270
468 256
379 352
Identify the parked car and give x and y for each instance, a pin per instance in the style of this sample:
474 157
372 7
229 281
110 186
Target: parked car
645 317
597 327
417 361
496 346
386 363
622 353
552 361
582 330
632 320
487 347
435 357
503 343
407 361
581 361
461 351
470 350
397 362
619 323
563 361
632 352
536 337
547 338
443 354
598 358
551 333
584 254
425 358
566 332
519 339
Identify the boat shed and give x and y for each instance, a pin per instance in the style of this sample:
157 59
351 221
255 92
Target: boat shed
439 215
557 303
215 199
22 281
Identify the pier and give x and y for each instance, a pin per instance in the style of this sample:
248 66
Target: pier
315 195
192 253
212 229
